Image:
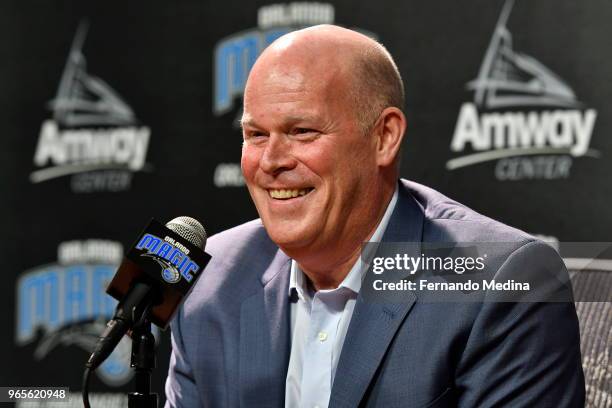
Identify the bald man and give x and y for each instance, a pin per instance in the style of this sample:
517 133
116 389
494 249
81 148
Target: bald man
280 316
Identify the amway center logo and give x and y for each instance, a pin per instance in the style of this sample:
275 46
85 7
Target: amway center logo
540 143
67 303
93 134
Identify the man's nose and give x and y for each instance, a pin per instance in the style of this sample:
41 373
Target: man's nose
277 155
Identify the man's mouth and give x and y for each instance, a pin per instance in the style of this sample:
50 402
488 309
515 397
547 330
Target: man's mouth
285 194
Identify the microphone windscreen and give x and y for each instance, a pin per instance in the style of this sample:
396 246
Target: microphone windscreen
190 229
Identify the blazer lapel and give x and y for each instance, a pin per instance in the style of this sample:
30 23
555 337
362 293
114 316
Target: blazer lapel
376 317
265 339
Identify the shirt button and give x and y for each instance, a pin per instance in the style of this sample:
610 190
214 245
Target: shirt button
322 336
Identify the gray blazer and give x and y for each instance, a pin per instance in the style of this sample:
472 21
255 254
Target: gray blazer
231 337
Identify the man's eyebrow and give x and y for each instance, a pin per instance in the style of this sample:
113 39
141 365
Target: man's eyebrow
247 121
289 120
302 118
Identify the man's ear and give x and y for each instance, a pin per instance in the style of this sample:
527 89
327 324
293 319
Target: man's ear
389 133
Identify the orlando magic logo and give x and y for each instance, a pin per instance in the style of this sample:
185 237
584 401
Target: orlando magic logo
170 274
172 257
63 306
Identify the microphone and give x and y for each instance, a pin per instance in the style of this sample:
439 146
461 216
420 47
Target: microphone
157 273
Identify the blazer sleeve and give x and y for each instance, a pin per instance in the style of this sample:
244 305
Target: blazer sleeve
525 353
181 390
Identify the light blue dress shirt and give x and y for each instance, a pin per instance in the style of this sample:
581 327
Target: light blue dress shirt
319 321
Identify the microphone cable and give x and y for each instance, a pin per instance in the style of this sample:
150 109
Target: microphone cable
86 378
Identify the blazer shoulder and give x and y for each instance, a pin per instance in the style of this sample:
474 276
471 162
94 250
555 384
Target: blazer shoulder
235 241
451 221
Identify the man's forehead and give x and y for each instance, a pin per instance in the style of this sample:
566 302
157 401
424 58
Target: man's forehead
293 64
290 74
290 77
286 80
287 86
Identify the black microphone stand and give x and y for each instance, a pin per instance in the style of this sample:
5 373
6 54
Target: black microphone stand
143 362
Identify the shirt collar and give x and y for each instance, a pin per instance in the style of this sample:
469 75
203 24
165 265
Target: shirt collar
352 281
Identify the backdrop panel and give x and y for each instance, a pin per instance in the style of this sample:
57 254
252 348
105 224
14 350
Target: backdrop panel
115 112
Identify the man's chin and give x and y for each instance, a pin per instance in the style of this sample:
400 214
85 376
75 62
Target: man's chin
284 240
287 239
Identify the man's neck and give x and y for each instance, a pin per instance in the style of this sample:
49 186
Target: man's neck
331 277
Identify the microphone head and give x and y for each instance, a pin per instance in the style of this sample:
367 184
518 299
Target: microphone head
190 229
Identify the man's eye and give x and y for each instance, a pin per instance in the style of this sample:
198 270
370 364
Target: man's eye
299 131
304 132
254 135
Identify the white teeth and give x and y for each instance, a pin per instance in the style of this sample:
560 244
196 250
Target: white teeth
285 194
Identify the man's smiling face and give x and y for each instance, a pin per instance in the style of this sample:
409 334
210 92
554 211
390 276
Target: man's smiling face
308 166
